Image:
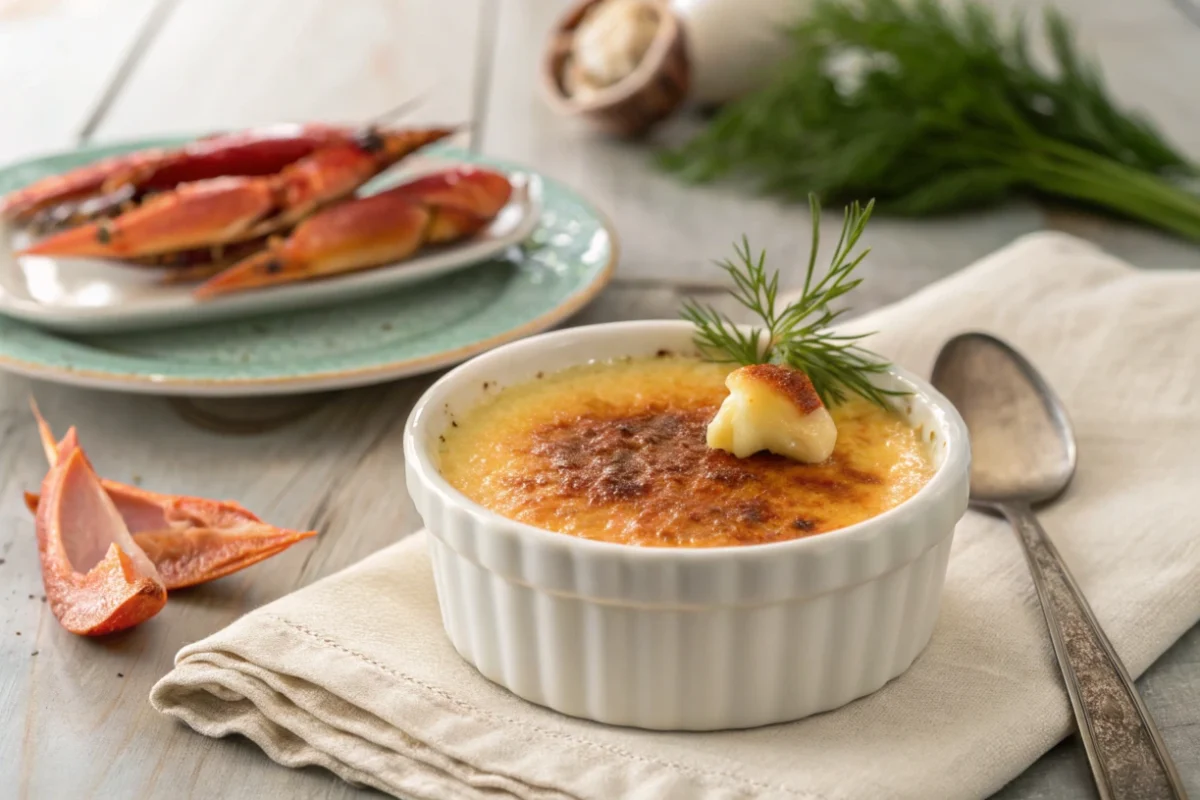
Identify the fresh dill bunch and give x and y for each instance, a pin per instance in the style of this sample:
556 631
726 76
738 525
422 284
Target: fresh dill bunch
797 335
930 108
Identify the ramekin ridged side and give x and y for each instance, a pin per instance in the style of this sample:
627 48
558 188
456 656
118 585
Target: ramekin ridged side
680 639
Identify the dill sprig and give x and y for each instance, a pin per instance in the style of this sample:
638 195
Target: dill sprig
932 107
797 335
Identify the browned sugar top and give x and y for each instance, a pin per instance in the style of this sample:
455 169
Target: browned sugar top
617 452
655 467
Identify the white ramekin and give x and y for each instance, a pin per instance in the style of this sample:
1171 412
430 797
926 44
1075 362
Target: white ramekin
671 638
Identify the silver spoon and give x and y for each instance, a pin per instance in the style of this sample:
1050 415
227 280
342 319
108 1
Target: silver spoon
1023 454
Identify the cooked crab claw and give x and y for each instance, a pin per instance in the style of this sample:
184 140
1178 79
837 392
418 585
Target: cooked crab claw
481 192
97 579
335 172
79 184
257 151
355 235
190 540
195 214
370 231
222 210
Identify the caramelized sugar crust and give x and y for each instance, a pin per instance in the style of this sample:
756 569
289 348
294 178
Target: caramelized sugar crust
616 451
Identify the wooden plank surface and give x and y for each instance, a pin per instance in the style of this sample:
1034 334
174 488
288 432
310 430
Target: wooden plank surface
56 58
231 63
69 724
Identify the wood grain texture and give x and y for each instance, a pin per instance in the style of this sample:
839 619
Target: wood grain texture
230 63
56 57
69 726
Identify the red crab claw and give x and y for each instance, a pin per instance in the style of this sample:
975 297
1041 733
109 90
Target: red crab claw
190 540
195 214
336 172
197 264
480 192
78 183
257 151
224 210
370 231
97 579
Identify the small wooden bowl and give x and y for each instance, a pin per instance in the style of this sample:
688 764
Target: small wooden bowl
633 105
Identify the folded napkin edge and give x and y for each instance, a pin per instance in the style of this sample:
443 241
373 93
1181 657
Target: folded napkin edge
472 723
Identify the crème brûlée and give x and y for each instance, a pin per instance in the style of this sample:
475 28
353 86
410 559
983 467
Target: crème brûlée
617 451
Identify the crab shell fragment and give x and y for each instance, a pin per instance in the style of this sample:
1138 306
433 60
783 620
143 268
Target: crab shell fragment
97 579
110 552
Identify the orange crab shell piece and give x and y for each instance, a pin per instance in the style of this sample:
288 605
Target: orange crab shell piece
97 579
198 555
190 540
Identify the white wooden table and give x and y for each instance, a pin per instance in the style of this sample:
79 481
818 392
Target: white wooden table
74 720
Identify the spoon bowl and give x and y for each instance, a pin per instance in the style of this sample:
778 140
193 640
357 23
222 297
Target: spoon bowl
1022 441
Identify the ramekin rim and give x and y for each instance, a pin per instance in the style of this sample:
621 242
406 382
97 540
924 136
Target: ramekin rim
420 461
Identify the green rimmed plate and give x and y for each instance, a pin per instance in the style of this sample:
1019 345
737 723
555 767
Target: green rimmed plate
530 287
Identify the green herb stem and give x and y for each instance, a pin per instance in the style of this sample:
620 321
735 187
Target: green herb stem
1114 186
798 335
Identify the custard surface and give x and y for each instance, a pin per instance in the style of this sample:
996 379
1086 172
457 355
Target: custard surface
616 451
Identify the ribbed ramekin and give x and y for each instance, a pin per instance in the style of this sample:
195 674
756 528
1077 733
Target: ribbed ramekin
675 638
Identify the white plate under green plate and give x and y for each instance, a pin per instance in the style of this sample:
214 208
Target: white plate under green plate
530 287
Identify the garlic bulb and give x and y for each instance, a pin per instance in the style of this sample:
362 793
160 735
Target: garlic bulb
627 65
609 44
773 408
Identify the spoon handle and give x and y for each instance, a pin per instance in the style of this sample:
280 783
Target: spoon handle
1126 753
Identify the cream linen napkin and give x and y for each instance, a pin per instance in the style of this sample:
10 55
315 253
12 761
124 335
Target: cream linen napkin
353 673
